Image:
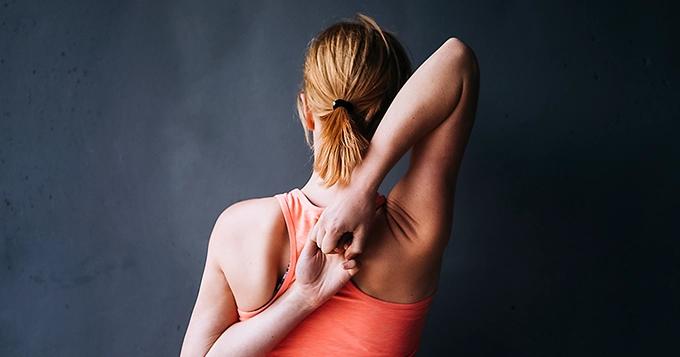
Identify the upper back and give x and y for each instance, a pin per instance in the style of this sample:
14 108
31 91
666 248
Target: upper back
400 263
353 321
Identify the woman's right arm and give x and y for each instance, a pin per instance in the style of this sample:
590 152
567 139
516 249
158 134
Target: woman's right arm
432 114
214 329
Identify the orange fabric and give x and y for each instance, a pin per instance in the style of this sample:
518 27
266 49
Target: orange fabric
351 323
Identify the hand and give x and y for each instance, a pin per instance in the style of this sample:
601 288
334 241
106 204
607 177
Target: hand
345 223
320 276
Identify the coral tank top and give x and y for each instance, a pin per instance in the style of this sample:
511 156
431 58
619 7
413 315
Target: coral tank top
351 323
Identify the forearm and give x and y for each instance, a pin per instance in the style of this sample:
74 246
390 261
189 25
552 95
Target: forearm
427 99
260 334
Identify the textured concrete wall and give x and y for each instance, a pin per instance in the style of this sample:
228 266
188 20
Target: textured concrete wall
127 126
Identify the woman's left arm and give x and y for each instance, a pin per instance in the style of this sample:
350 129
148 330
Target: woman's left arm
214 329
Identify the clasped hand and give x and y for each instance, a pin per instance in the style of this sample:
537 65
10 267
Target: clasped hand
327 261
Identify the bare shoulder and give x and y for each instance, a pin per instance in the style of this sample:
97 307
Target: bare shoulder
459 51
250 245
461 58
234 223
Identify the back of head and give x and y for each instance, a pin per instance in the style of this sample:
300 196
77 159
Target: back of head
357 62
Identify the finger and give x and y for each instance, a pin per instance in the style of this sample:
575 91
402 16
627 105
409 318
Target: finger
310 248
330 241
320 234
343 243
351 266
312 233
357 245
317 232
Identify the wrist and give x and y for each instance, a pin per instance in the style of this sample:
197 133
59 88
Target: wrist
303 302
365 179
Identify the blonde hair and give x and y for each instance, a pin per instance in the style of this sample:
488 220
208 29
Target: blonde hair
358 62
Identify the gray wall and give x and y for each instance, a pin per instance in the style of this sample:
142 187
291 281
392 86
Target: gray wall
126 127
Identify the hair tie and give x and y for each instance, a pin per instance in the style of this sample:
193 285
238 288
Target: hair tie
341 103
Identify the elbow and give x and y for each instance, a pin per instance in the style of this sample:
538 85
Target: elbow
462 58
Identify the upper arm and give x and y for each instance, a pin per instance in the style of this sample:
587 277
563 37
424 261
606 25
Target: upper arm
248 251
215 309
423 199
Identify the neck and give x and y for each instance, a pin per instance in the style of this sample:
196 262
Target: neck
317 193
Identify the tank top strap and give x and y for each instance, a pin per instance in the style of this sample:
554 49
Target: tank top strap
288 216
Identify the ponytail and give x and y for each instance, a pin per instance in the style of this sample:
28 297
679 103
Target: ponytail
341 148
359 68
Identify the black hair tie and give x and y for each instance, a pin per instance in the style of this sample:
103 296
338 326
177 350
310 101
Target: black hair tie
341 103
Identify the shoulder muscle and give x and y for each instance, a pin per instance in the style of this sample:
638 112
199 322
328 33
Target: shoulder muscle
249 243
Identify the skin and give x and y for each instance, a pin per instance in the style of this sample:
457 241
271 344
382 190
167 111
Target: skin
399 247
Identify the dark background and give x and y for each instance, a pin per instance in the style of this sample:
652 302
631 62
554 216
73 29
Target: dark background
126 127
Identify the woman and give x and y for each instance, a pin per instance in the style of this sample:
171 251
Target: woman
360 280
